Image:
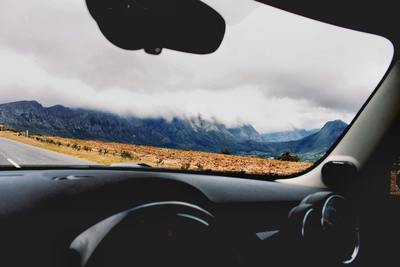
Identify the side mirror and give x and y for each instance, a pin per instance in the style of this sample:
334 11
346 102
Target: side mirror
183 25
397 173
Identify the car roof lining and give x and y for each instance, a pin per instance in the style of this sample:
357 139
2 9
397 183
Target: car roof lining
375 17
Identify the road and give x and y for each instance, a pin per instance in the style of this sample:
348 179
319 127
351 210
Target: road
16 154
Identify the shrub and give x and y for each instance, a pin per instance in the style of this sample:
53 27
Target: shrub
287 156
59 143
126 155
199 167
226 151
185 166
50 141
87 148
76 147
103 151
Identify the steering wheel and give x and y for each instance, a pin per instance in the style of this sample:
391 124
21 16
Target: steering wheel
154 234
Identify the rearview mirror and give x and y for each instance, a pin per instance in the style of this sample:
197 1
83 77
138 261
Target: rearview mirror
183 25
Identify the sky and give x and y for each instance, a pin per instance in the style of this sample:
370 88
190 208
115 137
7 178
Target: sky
274 70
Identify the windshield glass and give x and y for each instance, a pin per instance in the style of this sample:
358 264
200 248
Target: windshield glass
272 100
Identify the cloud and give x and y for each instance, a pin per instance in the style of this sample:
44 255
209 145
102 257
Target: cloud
274 70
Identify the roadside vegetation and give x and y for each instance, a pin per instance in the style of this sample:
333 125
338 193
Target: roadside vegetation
287 156
225 151
107 153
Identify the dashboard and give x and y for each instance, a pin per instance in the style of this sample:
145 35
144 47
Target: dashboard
122 217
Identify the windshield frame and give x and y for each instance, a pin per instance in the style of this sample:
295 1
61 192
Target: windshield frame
267 177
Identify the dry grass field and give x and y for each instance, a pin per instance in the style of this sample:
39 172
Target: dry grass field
108 153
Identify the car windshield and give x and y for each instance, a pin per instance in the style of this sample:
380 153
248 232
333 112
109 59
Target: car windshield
271 100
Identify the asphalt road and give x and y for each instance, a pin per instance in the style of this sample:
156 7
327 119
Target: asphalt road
16 154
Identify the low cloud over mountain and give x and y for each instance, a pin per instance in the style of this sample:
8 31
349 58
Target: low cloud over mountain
274 70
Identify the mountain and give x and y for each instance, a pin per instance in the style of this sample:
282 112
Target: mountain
314 146
193 133
323 139
245 132
293 135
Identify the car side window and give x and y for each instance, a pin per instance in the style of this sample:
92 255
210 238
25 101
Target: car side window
395 178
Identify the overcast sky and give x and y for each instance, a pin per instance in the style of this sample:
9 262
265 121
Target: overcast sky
274 70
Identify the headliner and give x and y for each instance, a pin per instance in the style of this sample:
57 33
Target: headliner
376 17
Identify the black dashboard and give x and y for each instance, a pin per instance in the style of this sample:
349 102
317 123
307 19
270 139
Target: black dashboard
102 217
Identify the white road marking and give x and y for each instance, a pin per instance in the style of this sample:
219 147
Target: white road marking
14 163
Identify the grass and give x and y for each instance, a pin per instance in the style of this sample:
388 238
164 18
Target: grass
107 153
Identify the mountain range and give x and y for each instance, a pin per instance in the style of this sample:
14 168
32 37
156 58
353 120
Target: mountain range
193 133
293 135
